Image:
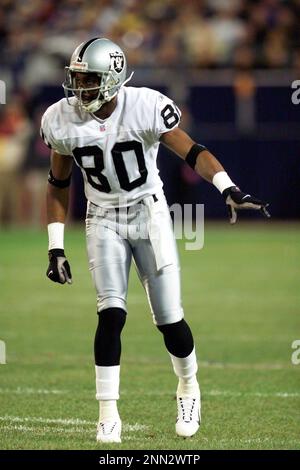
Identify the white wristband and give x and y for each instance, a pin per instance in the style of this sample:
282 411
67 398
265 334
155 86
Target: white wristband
222 181
56 235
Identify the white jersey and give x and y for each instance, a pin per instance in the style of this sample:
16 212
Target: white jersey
117 155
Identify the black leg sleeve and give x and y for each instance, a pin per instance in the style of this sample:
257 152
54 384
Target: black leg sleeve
107 346
178 338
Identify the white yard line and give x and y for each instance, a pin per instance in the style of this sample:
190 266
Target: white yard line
66 422
31 391
217 443
39 419
227 393
241 366
44 429
221 365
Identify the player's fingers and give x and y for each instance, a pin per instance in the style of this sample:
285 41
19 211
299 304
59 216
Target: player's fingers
257 202
62 276
232 214
265 212
67 272
249 205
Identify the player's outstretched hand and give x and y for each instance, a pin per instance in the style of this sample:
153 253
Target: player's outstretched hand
59 268
235 199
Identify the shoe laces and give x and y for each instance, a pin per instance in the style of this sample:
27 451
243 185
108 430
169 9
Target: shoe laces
186 408
107 427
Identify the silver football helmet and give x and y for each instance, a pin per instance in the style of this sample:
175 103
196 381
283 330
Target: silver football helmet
104 58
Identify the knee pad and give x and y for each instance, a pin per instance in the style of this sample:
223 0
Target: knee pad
112 320
178 338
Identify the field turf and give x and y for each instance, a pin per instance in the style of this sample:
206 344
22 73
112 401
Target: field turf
241 295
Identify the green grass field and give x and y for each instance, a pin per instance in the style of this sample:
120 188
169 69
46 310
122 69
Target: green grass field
241 295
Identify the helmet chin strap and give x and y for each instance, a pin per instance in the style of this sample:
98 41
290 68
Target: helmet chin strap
127 79
96 104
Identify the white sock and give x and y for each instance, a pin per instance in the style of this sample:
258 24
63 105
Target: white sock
186 368
107 382
108 410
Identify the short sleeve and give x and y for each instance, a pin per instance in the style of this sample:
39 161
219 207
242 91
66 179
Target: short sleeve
45 136
47 132
167 115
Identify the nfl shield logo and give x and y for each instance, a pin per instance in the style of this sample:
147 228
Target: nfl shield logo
102 127
117 61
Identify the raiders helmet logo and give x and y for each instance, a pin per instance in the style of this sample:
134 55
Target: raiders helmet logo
117 61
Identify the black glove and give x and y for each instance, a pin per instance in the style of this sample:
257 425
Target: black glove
59 268
236 199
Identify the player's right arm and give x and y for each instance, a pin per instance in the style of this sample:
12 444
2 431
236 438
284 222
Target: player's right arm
208 167
57 208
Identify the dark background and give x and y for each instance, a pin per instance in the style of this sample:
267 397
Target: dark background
229 66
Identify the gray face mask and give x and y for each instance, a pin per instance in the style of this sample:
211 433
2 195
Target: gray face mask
91 99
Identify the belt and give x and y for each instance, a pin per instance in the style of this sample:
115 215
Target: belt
127 208
102 210
154 197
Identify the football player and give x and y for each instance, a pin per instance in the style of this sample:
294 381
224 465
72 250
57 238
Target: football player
113 132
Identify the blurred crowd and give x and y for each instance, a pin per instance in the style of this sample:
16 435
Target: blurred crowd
37 38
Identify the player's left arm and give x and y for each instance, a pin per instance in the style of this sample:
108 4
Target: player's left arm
209 168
